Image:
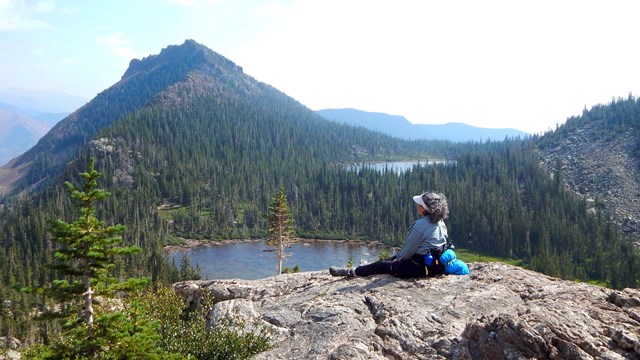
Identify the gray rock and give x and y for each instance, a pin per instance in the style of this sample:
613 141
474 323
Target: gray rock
9 347
497 312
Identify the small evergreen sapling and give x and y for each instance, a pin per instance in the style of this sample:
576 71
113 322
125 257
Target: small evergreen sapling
84 260
281 231
87 251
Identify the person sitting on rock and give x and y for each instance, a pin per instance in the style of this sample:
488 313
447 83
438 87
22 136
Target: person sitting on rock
427 235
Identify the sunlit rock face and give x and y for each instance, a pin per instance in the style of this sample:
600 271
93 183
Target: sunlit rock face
497 312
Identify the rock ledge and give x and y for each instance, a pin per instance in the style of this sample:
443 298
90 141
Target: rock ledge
497 312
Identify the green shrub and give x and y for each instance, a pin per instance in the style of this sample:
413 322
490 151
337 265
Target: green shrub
384 254
128 334
187 331
349 263
288 270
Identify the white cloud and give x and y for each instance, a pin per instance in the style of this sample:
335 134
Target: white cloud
185 3
117 44
6 4
37 52
115 39
192 3
45 6
124 52
21 15
20 23
273 9
43 66
69 61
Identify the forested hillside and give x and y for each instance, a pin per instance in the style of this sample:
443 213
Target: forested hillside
597 156
191 147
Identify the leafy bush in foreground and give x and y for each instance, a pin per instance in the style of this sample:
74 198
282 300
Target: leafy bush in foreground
188 331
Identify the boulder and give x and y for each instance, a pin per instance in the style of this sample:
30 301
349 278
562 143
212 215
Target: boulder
9 347
499 311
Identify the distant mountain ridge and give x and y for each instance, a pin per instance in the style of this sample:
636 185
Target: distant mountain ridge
35 102
47 118
400 127
27 115
19 131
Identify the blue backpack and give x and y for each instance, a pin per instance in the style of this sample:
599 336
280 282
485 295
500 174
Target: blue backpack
453 265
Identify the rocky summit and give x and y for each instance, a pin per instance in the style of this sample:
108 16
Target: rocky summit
497 312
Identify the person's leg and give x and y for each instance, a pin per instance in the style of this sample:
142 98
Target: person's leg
378 267
410 269
341 271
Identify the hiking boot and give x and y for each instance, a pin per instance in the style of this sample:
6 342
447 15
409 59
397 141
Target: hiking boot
340 271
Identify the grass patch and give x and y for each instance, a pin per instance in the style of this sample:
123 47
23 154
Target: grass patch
467 255
596 282
169 214
173 240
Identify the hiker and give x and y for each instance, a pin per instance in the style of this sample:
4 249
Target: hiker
427 235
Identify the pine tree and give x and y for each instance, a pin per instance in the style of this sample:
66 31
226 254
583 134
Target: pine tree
187 272
281 230
84 260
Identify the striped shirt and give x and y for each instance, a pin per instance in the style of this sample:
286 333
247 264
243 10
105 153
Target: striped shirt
423 236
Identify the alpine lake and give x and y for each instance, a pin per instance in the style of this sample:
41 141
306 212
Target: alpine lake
397 166
257 260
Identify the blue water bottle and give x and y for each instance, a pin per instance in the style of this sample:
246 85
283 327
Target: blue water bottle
428 259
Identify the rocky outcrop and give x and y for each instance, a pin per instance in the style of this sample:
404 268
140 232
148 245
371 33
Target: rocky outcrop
9 347
497 312
603 168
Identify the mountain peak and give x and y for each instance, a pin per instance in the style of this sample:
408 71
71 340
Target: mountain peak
166 77
189 54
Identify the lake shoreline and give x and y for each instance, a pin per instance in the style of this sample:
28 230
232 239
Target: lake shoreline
191 244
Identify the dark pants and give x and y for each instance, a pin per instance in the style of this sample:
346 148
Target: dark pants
411 268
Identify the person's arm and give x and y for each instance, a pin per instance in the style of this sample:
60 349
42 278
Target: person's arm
412 242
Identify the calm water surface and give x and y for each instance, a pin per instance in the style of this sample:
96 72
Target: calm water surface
397 166
256 260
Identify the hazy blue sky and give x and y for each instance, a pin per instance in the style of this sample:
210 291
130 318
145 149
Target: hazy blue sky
522 64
